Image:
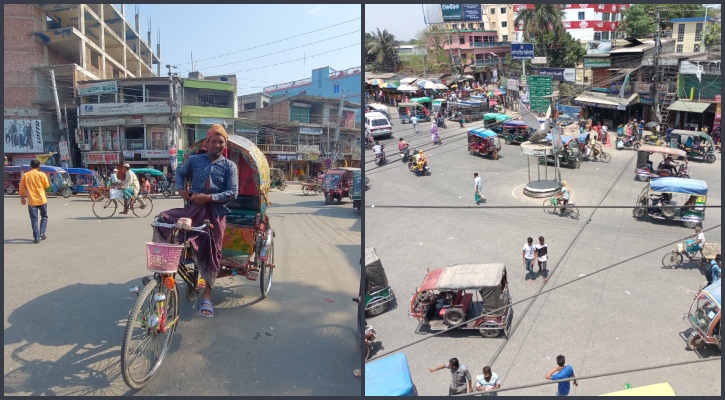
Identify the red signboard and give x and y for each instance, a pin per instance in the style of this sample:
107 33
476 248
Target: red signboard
101 158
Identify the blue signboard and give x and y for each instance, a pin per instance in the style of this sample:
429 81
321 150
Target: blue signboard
472 12
522 51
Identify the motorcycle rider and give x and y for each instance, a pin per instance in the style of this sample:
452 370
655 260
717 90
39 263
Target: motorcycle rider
422 160
378 150
402 146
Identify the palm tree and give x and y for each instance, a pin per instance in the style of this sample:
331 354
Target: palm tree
539 20
382 48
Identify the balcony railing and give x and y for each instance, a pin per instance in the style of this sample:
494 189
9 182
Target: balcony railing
487 45
488 61
288 85
340 74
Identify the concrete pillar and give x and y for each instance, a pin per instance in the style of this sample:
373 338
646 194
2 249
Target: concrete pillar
82 28
103 41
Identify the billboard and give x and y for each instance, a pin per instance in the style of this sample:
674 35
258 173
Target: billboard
461 12
452 12
23 136
522 51
597 62
558 74
472 12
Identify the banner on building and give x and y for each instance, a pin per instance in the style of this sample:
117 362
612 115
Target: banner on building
522 51
285 157
472 12
512 84
597 62
64 151
125 108
23 136
155 154
452 12
616 87
100 158
558 74
96 88
310 131
20 160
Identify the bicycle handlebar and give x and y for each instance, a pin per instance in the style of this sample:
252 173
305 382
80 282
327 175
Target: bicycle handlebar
201 228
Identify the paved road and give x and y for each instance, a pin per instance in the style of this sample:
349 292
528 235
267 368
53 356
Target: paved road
627 317
66 304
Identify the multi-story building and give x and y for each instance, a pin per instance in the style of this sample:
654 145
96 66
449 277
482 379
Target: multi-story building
500 18
585 22
688 33
325 82
129 120
78 42
472 46
297 133
207 101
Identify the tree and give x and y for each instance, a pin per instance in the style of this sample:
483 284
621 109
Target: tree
438 60
566 93
562 50
639 20
537 22
712 35
381 48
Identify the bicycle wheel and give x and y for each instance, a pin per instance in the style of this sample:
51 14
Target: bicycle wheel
605 157
265 272
305 190
105 208
672 260
573 211
550 208
142 211
148 316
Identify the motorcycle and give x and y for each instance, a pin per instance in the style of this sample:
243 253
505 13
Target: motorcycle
369 340
627 143
405 154
441 122
414 167
380 158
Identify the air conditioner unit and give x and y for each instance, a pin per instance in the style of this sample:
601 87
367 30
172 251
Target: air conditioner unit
86 147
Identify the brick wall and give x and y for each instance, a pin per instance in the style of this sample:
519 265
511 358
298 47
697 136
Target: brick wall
275 113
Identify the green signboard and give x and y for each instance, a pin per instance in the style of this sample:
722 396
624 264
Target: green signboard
452 12
597 62
180 156
539 86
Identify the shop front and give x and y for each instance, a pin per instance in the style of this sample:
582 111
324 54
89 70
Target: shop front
607 108
21 159
287 163
102 162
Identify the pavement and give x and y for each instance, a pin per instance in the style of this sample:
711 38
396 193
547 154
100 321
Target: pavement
629 316
67 301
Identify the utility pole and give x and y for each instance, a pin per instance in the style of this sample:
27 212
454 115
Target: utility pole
55 97
337 129
656 77
460 60
171 140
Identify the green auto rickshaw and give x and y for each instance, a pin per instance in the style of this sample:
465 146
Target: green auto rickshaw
697 145
277 179
162 184
377 292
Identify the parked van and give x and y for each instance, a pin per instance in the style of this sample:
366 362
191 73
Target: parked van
381 108
377 125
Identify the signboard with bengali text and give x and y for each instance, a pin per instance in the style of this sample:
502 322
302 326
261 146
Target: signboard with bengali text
539 86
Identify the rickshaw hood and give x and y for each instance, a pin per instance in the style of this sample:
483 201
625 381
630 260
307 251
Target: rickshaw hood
374 272
470 277
389 376
679 185
714 292
663 150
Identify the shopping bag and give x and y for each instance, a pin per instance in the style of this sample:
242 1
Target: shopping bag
477 197
116 195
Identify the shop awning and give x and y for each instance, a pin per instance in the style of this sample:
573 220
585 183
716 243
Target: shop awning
608 100
689 106
408 81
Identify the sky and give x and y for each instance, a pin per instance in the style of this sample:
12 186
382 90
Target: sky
402 20
214 30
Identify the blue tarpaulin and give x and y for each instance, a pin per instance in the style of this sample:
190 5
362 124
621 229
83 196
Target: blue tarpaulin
714 291
679 185
564 138
389 376
481 132
514 124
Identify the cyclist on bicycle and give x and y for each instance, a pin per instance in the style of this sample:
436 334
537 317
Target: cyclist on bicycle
564 195
214 182
130 187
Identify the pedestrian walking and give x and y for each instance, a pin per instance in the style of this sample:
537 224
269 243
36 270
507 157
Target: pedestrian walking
487 381
460 377
562 371
414 121
541 255
461 120
32 192
528 256
478 187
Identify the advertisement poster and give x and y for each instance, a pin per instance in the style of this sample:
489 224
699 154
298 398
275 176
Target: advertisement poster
23 136
64 152
96 141
157 140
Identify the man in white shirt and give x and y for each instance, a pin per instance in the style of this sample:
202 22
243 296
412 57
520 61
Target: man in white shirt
478 186
131 187
528 256
114 177
414 121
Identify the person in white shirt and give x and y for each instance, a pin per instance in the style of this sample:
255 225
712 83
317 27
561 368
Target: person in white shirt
114 177
693 246
414 121
487 381
378 149
478 186
131 187
528 256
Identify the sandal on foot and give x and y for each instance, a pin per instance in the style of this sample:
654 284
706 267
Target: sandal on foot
208 307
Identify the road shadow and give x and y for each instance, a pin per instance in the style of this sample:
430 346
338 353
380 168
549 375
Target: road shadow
19 241
88 218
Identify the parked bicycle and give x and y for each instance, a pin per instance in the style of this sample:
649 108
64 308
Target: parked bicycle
552 206
106 207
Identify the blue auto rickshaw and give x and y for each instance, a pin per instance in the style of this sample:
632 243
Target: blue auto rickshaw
60 181
83 179
389 376
704 318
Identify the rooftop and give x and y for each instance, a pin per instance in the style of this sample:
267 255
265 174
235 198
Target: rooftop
693 19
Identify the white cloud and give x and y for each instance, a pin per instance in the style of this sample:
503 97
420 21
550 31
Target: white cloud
314 10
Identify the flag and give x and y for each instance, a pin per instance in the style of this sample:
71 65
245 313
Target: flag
624 86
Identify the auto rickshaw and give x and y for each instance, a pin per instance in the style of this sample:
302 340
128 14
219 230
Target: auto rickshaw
494 120
656 201
356 192
569 154
483 142
389 376
83 180
471 110
446 299
440 105
60 181
704 318
424 101
408 110
514 132
162 185
697 145
645 168
337 183
277 179
377 292
658 389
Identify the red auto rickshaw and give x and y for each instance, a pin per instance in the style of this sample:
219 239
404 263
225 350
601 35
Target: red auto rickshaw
337 184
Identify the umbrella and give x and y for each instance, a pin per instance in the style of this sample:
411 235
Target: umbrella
375 82
426 84
388 86
407 88
441 86
652 124
468 77
496 92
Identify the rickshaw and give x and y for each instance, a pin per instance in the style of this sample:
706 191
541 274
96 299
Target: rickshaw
84 180
704 318
440 105
277 179
472 110
248 250
389 376
60 181
656 201
483 142
356 192
162 184
424 101
697 145
514 132
407 110
377 292
445 299
494 120
645 168
676 257
337 183
569 154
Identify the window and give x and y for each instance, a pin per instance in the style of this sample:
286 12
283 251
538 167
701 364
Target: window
503 10
250 106
679 48
681 32
698 32
697 48
336 88
605 36
505 38
299 114
504 24
581 16
493 11
470 26
493 26
213 100
605 17
597 35
461 40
